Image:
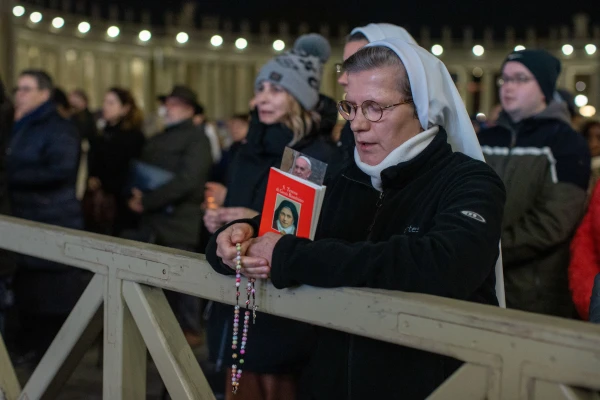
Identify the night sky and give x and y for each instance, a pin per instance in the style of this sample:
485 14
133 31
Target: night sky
410 14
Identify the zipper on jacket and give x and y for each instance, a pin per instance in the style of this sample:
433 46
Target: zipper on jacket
378 205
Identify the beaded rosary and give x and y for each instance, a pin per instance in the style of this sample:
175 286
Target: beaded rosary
236 373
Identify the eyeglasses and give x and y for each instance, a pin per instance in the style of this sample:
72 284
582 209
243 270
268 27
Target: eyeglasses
372 110
517 80
25 89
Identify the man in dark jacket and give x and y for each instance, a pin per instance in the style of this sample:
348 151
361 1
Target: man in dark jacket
545 166
171 213
7 265
41 163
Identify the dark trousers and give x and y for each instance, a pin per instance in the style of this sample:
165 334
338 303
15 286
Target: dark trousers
185 307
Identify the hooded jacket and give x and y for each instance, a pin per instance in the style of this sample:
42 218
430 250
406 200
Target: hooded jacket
545 166
433 229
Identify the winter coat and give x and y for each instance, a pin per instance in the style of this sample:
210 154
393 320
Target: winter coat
434 229
172 212
111 154
279 345
585 257
86 124
545 166
7 264
42 159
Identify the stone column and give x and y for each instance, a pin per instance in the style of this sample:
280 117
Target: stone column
7 43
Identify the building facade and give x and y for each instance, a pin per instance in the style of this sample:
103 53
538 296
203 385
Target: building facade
94 54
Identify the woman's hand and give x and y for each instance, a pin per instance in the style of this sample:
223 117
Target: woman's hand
260 248
212 221
230 214
135 202
94 183
227 251
214 194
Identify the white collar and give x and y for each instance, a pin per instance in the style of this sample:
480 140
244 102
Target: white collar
290 230
405 152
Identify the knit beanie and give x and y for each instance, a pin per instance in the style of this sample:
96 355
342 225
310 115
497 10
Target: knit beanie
543 65
298 73
314 45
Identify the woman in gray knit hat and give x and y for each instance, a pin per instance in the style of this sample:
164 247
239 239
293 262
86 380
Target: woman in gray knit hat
286 95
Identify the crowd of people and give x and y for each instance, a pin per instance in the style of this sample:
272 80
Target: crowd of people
431 197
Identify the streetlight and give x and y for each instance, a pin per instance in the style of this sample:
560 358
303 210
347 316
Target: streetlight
113 31
145 35
519 47
35 17
437 49
182 37
58 22
567 49
587 111
84 27
581 100
241 43
216 40
278 45
18 11
478 50
590 49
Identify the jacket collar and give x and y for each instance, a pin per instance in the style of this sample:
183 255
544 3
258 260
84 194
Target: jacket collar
187 123
41 113
398 176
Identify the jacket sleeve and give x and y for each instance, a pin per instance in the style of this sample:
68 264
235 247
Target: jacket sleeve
193 172
211 249
584 260
551 221
57 164
452 259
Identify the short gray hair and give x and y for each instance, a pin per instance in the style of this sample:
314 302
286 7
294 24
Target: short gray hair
369 58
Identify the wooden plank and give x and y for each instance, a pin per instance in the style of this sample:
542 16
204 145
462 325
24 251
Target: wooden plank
469 382
507 341
555 391
9 384
76 335
124 361
170 351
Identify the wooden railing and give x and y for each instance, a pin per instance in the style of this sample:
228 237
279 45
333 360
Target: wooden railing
508 354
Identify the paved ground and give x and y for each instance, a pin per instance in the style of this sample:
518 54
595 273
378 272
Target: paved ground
86 381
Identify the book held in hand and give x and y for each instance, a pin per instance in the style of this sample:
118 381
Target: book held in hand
292 202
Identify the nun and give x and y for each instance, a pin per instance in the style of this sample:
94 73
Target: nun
426 218
285 218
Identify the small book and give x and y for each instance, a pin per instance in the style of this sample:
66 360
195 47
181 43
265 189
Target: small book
293 202
147 177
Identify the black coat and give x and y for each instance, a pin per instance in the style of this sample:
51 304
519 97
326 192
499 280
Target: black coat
86 124
42 159
278 345
172 212
111 154
416 236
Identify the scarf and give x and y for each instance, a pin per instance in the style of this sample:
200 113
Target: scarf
286 231
405 152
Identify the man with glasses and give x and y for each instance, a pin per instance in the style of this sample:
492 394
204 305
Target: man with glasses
42 159
545 166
